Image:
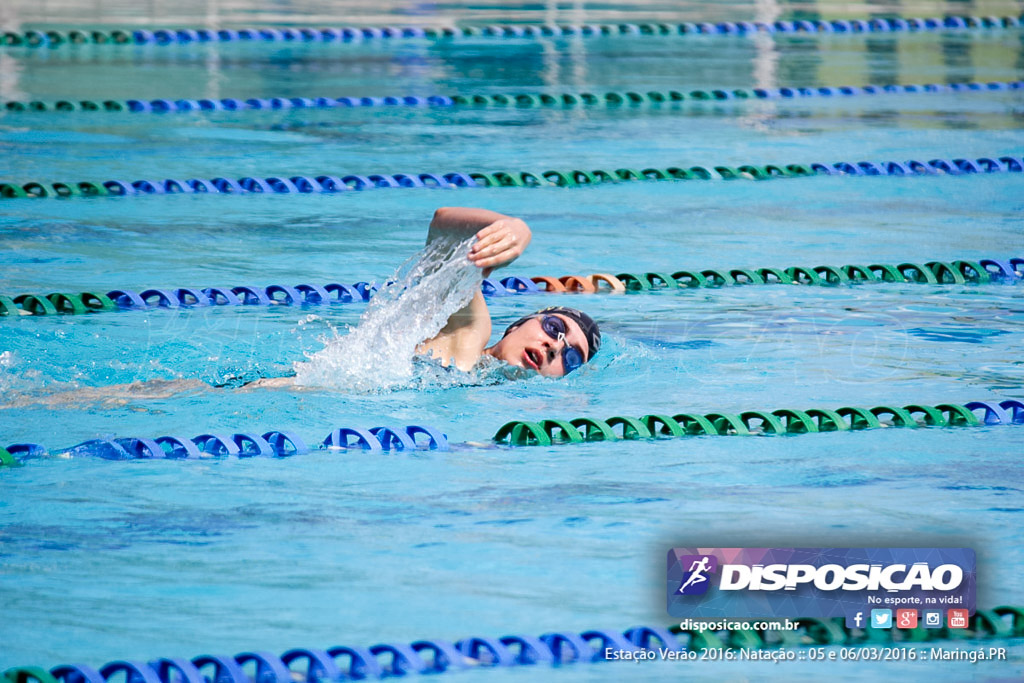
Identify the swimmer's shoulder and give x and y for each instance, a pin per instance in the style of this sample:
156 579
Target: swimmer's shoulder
464 337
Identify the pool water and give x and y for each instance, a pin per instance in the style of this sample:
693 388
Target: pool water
103 560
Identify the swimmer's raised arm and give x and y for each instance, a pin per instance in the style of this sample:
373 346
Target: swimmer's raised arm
500 239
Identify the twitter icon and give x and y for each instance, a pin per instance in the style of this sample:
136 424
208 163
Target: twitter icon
881 618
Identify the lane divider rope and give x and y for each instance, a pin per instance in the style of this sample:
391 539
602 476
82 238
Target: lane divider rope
518 100
185 297
546 432
240 445
957 272
558 648
573 178
199 297
353 34
551 432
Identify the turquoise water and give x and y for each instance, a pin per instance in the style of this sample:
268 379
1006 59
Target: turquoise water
104 560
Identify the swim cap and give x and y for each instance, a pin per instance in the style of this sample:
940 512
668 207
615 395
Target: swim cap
586 323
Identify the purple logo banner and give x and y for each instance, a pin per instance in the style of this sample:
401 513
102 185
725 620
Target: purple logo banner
758 583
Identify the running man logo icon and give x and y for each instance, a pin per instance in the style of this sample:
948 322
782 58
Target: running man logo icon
695 581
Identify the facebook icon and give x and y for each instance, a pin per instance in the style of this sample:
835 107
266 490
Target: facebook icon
855 620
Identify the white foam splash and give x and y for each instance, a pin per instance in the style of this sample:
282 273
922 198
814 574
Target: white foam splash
6 371
378 354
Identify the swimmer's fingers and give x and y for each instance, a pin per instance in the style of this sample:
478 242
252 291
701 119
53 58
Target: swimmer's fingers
498 261
505 226
500 242
504 250
492 244
489 236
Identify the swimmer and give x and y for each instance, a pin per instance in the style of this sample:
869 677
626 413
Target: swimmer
552 342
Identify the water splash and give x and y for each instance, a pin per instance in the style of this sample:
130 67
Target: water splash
379 354
6 371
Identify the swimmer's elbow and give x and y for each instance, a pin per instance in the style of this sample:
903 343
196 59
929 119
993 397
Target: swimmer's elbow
443 216
461 217
445 220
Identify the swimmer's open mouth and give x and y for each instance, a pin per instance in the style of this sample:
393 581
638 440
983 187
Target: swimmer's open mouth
532 359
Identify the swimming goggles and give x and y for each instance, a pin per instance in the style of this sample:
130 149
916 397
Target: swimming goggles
555 328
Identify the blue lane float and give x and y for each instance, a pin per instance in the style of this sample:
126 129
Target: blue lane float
242 295
477 653
356 34
275 444
518 179
521 100
245 295
387 438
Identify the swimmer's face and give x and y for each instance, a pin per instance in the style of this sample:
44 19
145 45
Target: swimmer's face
530 346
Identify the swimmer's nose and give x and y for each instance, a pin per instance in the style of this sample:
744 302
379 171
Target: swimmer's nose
552 347
555 348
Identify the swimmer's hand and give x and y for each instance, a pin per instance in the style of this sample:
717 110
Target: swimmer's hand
499 244
499 239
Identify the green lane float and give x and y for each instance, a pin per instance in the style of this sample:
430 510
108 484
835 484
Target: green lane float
957 272
6 459
549 432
